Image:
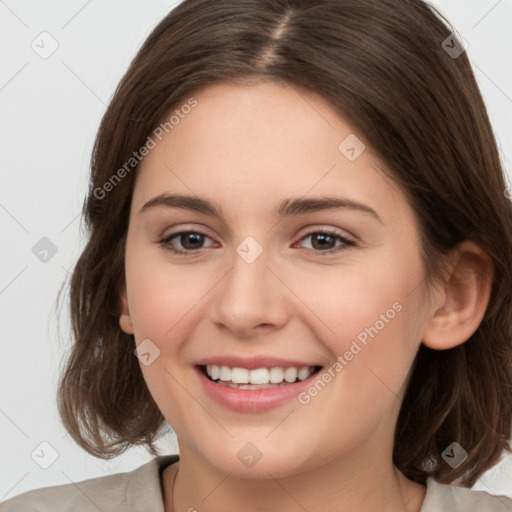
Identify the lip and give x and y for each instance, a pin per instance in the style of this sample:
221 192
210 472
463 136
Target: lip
252 400
252 363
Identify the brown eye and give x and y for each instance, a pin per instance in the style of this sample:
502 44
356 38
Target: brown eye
191 241
325 241
186 242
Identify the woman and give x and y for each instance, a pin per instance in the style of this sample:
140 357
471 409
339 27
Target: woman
299 226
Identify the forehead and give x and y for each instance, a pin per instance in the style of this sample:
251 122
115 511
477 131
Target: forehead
248 146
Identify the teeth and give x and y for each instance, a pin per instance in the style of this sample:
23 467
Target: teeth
276 375
290 374
259 376
303 373
224 373
242 378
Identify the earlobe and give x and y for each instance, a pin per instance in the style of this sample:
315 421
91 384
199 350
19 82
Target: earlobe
125 320
463 301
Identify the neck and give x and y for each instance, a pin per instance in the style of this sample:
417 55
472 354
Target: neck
341 485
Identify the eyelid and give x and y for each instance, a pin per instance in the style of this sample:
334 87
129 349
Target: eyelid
165 239
308 230
347 240
330 230
184 228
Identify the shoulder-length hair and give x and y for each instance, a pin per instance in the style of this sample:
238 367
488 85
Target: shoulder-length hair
395 71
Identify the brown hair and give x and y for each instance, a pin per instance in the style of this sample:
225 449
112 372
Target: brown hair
382 65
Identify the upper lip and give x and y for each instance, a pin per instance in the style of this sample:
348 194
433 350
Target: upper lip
251 363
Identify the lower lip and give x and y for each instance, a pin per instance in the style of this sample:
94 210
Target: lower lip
252 400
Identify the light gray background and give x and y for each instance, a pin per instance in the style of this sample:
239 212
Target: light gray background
51 110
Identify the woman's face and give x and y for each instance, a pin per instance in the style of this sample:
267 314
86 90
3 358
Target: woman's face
271 277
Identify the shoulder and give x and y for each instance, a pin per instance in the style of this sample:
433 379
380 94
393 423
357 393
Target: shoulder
130 491
451 498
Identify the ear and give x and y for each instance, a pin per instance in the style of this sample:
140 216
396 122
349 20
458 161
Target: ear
461 301
125 320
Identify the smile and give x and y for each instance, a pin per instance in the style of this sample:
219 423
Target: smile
258 378
254 389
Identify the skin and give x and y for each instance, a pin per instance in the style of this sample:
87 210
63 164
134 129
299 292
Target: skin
247 148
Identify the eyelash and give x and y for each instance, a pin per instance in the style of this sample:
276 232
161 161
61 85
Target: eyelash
346 242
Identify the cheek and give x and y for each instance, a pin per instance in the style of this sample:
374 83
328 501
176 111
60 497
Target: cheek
362 301
161 294
162 298
372 321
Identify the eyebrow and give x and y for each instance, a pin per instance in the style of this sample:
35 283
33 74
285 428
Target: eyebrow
287 208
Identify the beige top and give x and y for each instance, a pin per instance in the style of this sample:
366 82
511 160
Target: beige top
141 491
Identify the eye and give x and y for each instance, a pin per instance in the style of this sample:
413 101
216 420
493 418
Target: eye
322 241
190 241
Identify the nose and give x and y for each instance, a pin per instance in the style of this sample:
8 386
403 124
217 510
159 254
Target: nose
251 298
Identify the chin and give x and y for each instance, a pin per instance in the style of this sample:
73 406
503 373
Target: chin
260 460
